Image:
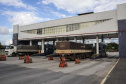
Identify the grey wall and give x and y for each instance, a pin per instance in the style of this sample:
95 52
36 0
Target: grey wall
121 11
122 38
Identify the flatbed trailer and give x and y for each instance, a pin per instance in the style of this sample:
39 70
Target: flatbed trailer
72 50
21 50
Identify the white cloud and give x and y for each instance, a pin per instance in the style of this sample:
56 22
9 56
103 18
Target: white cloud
80 6
121 1
105 5
5 31
17 3
30 8
5 35
60 15
24 18
72 6
8 42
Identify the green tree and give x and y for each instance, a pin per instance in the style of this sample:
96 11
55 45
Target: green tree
112 46
0 45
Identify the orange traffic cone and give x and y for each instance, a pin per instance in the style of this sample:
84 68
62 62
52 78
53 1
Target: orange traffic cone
63 62
77 61
27 59
2 58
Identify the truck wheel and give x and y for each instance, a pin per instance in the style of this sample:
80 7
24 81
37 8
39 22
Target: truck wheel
72 59
13 54
84 57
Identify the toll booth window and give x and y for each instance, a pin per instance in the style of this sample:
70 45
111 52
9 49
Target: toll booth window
39 31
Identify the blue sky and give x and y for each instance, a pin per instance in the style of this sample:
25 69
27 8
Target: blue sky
25 12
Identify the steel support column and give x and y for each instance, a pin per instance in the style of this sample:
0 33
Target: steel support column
30 42
53 44
75 39
97 44
42 46
83 40
102 39
57 40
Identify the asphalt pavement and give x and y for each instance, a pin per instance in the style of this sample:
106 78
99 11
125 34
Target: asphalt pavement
44 71
118 74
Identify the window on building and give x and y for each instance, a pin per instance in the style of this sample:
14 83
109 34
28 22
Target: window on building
34 31
39 31
43 31
64 28
72 27
89 24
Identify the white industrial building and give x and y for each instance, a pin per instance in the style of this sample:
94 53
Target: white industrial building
89 25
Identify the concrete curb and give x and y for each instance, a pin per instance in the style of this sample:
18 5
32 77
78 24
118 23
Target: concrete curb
104 80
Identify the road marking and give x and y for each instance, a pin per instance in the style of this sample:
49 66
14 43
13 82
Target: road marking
103 81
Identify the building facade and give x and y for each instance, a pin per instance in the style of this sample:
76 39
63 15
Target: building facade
91 26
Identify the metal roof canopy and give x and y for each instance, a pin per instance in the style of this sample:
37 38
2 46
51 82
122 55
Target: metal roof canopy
79 37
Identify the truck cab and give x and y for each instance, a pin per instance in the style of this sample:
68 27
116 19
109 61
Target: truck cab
9 50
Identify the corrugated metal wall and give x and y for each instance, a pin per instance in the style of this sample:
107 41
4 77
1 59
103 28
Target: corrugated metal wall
15 39
122 38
